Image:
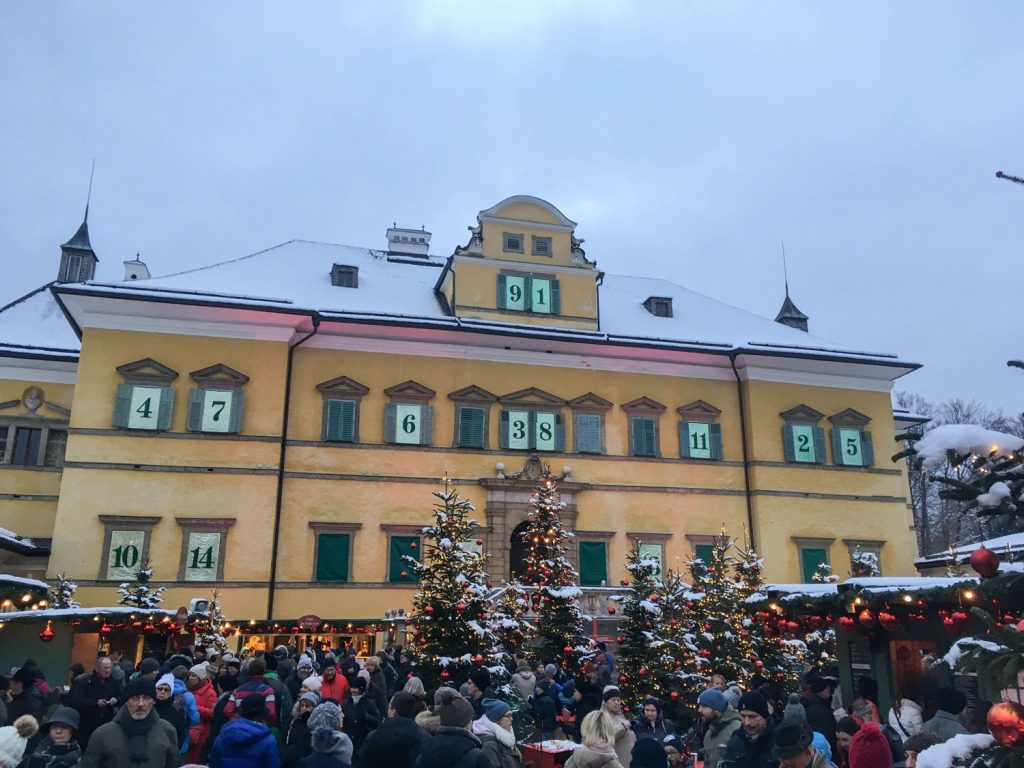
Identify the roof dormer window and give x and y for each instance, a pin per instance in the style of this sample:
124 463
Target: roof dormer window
659 306
344 276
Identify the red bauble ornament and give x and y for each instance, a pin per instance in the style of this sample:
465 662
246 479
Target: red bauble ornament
444 674
1006 723
404 574
536 621
792 626
960 619
479 542
611 610
428 609
758 664
866 618
47 634
985 562
460 607
888 621
568 649
744 635
642 671
779 677
413 545
488 585
918 618
620 639
674 695
624 583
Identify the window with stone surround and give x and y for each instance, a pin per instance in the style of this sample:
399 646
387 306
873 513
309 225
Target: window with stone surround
408 419
332 551
145 401
126 541
644 416
851 442
472 416
803 441
341 400
203 547
700 434
217 404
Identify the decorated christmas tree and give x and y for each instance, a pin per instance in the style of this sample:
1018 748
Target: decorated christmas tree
450 611
555 595
678 680
640 639
208 626
721 635
823 574
62 594
777 658
138 593
864 563
510 630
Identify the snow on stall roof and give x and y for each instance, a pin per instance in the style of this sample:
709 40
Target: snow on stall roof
34 323
78 613
906 583
999 545
296 275
23 582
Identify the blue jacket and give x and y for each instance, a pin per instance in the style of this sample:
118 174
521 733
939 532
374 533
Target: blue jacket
191 712
245 744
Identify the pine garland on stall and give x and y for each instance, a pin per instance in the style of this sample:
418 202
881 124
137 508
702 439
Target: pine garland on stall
510 630
62 594
555 595
721 636
138 593
208 626
640 641
450 611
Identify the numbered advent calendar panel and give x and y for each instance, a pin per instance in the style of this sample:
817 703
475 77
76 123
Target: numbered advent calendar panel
201 556
853 453
699 440
519 430
125 554
217 405
545 432
803 443
408 424
515 293
540 295
145 408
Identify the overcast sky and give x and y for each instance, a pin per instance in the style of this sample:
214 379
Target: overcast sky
687 139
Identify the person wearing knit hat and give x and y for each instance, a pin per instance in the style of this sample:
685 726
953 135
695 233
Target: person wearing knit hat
298 741
652 723
165 708
454 744
398 741
137 734
311 684
722 722
479 688
647 753
846 729
817 704
14 738
456 713
946 722
204 694
751 744
59 748
149 667
870 749
793 746
360 714
624 736
246 740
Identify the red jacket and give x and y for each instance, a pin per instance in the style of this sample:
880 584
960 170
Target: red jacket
206 699
336 689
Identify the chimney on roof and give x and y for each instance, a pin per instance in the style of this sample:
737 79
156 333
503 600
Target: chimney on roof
135 269
408 242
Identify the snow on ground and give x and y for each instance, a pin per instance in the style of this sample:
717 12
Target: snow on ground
965 439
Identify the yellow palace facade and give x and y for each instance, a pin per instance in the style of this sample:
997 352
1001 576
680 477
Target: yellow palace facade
274 425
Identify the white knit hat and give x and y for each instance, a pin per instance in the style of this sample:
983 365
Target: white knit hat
13 739
200 670
167 680
313 683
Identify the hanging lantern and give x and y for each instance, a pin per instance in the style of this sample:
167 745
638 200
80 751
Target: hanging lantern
985 562
47 634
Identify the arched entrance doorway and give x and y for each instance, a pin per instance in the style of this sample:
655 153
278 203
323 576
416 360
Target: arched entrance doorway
517 552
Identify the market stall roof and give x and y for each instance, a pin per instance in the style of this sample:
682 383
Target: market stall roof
82 614
1012 544
20 545
6 580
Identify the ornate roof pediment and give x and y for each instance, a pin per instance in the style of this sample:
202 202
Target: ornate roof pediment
219 375
342 385
643 404
147 371
531 396
410 390
849 418
802 414
698 410
472 394
591 401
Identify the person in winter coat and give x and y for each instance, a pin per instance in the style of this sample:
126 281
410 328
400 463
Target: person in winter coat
907 715
167 709
524 681
624 736
544 709
870 748
751 745
598 748
360 715
794 712
255 683
479 688
333 685
184 699
201 687
652 723
722 722
917 744
588 694
329 749
328 715
647 753
398 740
497 739
793 747
95 698
414 686
303 669
378 687
246 742
865 706
14 740
453 746
298 741
846 729
26 698
817 703
136 736
430 720
59 748
946 722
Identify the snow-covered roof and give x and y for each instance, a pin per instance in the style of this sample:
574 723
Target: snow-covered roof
53 614
21 545
295 277
34 325
20 581
1013 542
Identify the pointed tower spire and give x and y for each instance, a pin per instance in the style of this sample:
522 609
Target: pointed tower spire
77 258
789 314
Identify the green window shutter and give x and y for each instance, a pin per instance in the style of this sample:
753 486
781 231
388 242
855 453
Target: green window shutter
820 456
390 416
559 433
684 439
471 427
703 551
332 554
195 410
593 563
528 290
532 430
715 430
867 448
401 546
501 292
837 447
556 298
787 442
237 411
341 421
166 408
122 405
427 428
503 430
643 436
810 559
589 435
478 436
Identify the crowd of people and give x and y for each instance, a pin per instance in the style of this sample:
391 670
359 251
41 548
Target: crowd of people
322 709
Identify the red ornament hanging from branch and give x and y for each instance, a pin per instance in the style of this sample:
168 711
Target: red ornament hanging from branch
47 634
985 562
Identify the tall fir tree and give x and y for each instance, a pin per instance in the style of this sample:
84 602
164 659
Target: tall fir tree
555 596
138 593
62 593
450 611
720 633
640 641
679 681
510 630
